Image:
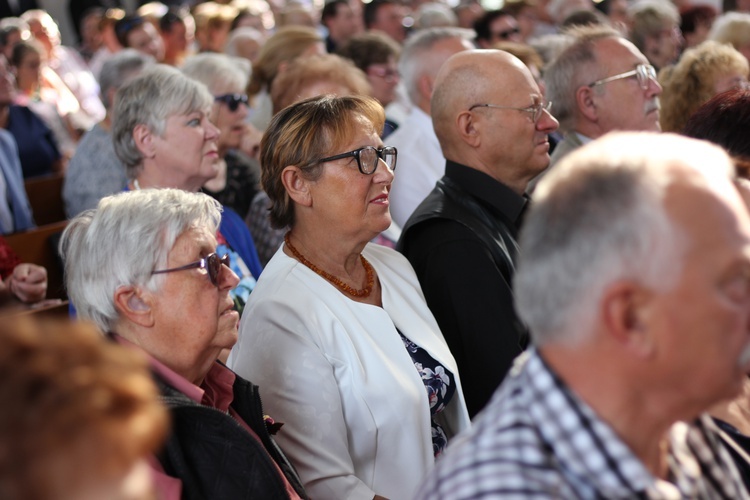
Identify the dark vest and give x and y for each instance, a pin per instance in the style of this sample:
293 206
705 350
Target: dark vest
450 201
215 457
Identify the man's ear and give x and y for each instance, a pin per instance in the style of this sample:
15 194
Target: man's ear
625 311
467 128
143 138
425 86
135 304
297 186
586 103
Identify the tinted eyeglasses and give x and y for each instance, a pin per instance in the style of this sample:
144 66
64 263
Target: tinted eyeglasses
367 158
388 75
232 101
211 263
643 72
535 110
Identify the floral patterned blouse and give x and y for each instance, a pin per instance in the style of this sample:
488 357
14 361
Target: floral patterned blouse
440 385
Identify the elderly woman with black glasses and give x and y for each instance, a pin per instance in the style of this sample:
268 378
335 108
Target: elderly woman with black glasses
143 266
337 329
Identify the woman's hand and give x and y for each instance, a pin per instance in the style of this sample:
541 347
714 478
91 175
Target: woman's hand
28 283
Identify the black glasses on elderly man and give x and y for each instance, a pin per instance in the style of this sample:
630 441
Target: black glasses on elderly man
211 263
644 73
232 101
535 109
367 158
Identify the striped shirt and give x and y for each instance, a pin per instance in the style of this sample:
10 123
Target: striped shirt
537 439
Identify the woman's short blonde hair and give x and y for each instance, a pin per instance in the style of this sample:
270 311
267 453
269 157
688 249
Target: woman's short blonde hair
690 83
301 135
732 28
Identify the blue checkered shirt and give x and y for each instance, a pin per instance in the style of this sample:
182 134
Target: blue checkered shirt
537 439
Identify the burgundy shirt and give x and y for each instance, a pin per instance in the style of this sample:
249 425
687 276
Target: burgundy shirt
216 391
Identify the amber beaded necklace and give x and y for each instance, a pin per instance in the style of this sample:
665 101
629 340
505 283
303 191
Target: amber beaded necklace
364 292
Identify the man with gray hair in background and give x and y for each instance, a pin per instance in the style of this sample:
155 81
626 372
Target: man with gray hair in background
94 170
599 83
420 159
634 280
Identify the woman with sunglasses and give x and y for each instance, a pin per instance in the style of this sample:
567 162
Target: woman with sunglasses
337 328
146 268
239 171
162 133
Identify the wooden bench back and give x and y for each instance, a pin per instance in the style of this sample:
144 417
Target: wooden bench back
45 197
39 246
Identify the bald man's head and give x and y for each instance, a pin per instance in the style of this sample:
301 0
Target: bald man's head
488 138
468 78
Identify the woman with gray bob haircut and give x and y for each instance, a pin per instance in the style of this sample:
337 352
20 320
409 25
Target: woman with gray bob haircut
162 132
148 101
146 268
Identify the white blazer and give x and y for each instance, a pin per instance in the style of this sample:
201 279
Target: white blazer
335 371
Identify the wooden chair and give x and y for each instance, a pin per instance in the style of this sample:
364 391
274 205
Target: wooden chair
45 197
39 246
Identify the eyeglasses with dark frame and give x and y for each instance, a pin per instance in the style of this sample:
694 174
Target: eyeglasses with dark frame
233 101
506 34
643 72
536 110
367 158
211 263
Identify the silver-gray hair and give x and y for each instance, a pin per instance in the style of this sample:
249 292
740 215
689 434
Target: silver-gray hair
434 15
599 217
120 68
573 67
123 240
418 59
149 99
648 18
213 69
239 35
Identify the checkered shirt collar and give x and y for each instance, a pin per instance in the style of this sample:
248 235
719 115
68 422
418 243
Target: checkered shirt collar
588 450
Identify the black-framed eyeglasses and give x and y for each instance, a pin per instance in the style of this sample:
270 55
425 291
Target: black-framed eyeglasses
232 101
367 158
504 35
211 263
643 72
535 110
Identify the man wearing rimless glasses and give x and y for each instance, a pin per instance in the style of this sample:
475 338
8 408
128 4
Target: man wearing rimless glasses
492 123
600 83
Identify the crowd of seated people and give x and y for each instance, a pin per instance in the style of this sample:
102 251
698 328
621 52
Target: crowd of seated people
226 173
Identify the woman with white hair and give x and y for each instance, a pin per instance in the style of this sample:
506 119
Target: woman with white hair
146 268
239 171
163 135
